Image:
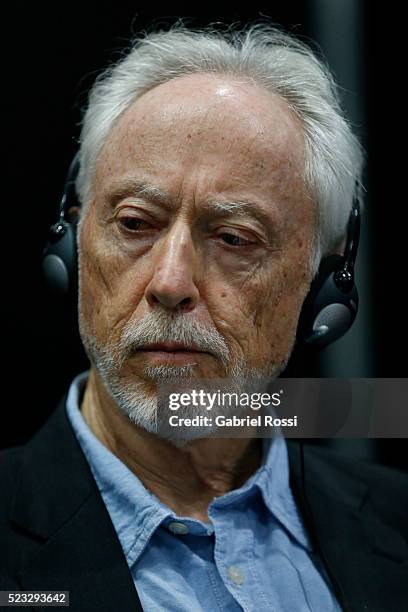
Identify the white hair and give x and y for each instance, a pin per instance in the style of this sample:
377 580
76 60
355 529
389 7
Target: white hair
265 55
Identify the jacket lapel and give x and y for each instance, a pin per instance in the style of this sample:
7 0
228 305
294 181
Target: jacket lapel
59 507
360 552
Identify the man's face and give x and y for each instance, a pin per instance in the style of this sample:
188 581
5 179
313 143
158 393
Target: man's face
199 232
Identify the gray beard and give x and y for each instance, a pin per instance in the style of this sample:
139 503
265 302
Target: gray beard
130 393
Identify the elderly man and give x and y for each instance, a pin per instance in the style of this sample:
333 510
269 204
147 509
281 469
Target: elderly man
215 173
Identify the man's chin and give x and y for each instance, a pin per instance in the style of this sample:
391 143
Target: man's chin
169 373
181 443
150 376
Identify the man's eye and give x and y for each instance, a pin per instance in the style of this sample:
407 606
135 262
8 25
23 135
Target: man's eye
134 224
234 240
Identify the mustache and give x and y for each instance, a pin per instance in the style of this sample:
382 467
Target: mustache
161 326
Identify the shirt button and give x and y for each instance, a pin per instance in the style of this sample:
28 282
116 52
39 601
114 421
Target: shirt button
235 575
178 528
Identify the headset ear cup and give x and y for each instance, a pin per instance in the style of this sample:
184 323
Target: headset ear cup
328 312
60 261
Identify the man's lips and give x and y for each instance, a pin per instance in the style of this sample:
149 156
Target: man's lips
175 352
171 347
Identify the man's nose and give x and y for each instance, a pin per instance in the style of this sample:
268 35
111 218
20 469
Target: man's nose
173 283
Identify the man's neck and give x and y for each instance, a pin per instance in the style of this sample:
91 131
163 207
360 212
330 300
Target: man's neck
186 479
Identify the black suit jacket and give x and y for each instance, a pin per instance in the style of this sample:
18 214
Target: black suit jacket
56 534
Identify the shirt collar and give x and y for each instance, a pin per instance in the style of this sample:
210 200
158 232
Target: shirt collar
137 513
272 481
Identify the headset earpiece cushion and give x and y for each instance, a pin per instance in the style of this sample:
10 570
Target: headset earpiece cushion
327 312
60 262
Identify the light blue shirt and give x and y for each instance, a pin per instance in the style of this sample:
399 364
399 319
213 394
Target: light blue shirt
254 553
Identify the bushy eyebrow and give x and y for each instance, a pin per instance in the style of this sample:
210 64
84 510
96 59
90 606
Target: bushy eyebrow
135 188
220 208
244 208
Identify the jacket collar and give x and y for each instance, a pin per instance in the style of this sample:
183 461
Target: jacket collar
58 504
358 550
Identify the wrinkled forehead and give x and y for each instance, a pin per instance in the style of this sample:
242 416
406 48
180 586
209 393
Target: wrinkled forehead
234 126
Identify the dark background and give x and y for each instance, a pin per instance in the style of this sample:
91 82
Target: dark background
51 57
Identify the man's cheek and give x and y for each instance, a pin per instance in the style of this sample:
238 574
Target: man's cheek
259 297
97 303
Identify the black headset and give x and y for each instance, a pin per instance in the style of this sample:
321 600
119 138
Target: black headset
328 311
331 305
60 260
